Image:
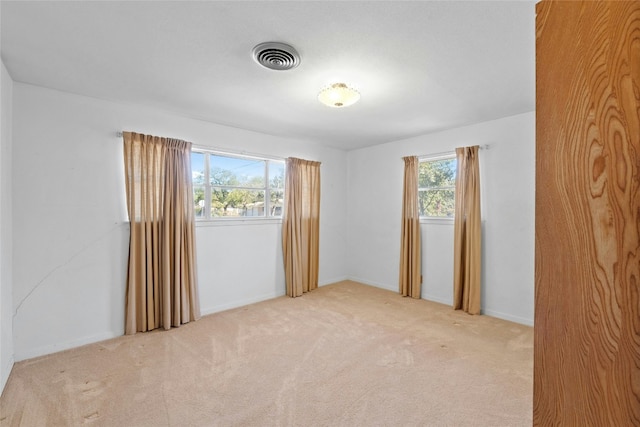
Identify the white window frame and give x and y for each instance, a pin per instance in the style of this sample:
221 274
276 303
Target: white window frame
222 220
432 158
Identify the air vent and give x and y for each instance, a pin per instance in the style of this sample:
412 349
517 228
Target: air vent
276 56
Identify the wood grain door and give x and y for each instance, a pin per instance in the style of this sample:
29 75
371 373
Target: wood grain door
587 267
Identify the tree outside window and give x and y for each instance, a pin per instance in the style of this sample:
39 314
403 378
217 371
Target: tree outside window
437 183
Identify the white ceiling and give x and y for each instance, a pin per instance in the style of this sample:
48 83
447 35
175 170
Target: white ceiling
421 66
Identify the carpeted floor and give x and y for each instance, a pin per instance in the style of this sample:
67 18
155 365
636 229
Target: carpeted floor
343 355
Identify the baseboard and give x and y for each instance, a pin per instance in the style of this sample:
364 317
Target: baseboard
55 348
49 349
332 281
509 317
240 303
372 283
436 299
4 378
497 314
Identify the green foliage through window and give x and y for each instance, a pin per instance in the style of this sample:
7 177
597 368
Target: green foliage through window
436 187
236 186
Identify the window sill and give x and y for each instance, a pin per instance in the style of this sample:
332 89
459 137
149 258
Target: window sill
436 220
223 222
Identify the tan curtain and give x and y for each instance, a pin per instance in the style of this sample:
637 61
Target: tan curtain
301 226
410 257
467 232
161 283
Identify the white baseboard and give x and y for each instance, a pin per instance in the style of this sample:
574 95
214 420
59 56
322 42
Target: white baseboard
372 283
497 314
240 303
509 317
436 299
54 348
332 281
6 371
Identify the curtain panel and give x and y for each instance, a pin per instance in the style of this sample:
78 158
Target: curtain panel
161 281
410 251
301 226
467 232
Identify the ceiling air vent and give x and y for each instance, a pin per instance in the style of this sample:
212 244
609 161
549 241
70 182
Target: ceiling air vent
276 56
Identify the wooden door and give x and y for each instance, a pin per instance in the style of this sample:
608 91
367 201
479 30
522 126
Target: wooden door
587 267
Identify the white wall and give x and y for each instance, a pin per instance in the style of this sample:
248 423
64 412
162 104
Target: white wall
6 239
70 228
507 192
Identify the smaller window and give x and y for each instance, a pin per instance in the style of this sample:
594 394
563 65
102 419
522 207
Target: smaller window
436 186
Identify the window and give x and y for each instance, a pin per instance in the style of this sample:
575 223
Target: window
436 186
229 185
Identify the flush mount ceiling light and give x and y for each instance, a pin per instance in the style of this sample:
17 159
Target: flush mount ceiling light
338 95
276 56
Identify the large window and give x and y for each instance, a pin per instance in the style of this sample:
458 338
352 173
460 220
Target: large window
437 184
229 185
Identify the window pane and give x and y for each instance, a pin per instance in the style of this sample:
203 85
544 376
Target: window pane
275 203
237 172
437 173
237 186
198 202
197 179
276 174
439 203
235 203
197 168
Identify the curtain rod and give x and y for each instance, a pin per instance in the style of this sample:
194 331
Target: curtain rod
120 134
450 153
226 151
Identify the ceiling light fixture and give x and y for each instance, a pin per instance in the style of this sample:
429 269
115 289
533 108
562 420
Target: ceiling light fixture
338 95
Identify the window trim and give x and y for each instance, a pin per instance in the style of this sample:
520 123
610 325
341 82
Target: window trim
425 219
208 187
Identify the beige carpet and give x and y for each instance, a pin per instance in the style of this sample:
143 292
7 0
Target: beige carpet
344 355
